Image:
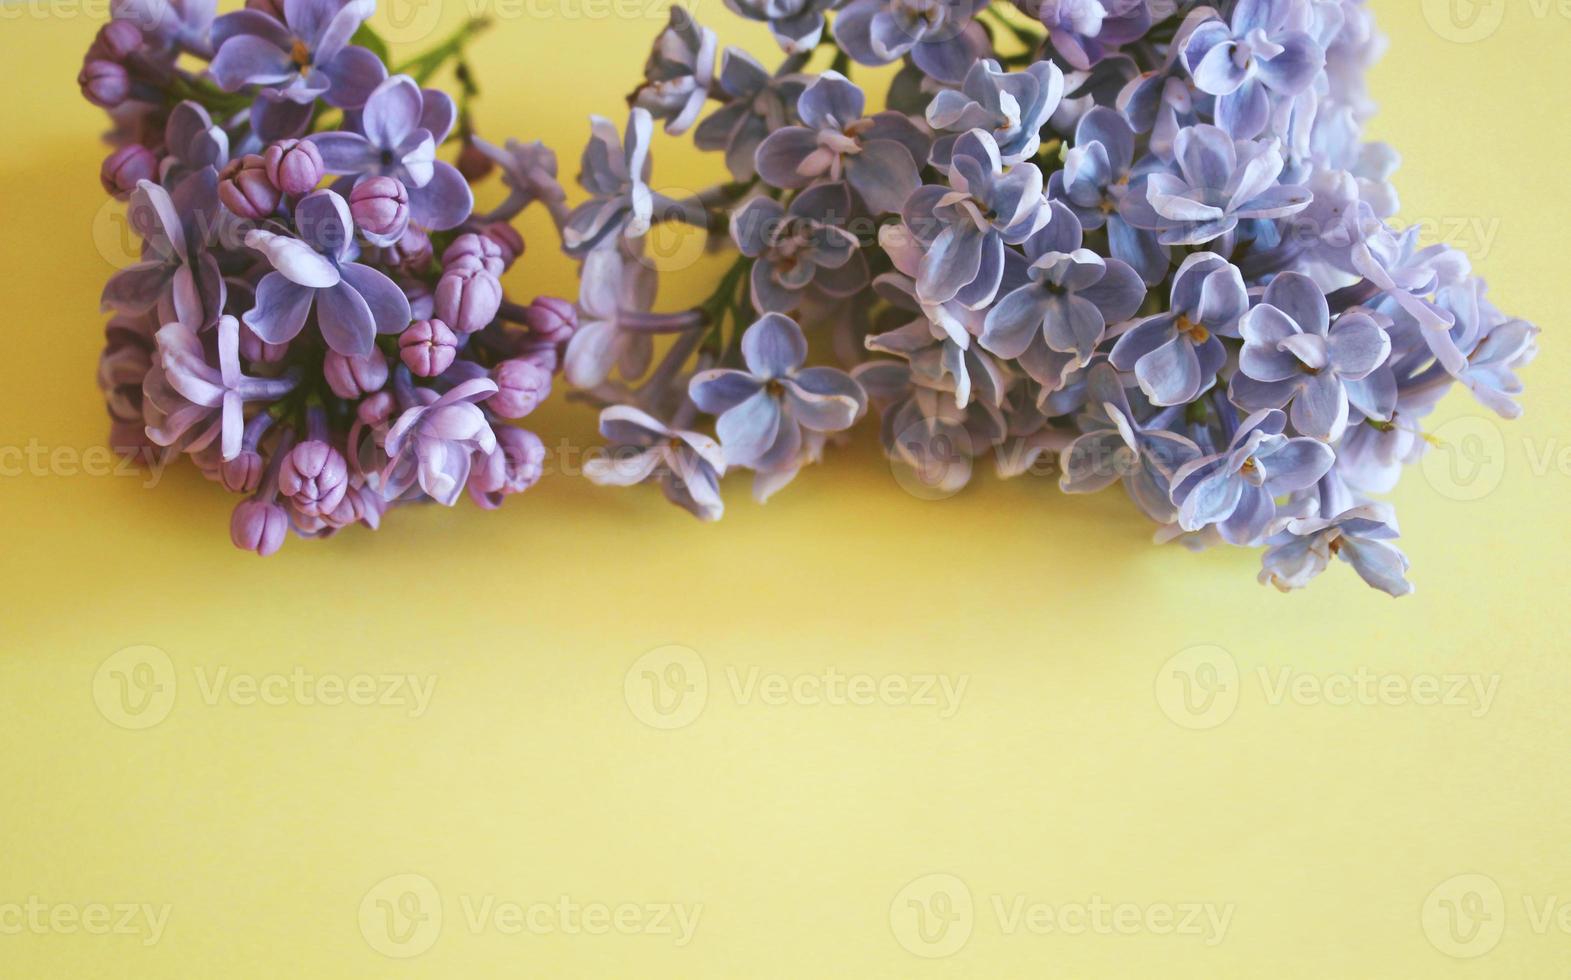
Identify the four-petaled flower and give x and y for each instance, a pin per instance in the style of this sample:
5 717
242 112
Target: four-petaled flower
353 302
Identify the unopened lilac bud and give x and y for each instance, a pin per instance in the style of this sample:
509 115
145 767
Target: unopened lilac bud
468 297
428 347
259 351
258 526
411 253
513 467
521 385
352 377
380 207
294 166
116 41
375 410
478 249
243 473
473 163
551 319
507 239
314 477
105 84
246 191
125 166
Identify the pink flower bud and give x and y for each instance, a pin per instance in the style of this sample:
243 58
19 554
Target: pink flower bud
515 466
428 347
314 477
351 377
473 163
468 297
245 190
259 351
551 319
375 410
116 41
521 385
125 166
258 526
472 248
105 84
411 253
294 166
507 240
243 473
380 207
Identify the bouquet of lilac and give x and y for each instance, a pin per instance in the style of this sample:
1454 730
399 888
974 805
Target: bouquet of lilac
1138 240
317 318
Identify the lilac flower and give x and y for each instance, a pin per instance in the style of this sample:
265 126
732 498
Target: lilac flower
529 171
189 403
514 466
939 344
1236 489
1098 183
1360 536
924 429
1176 355
678 73
353 302
877 155
1013 106
939 35
796 24
126 167
965 226
1219 181
1084 31
434 441
616 178
763 409
1244 62
1293 352
687 465
1072 295
1115 445
193 142
400 129
612 295
757 105
170 25
305 57
800 248
178 275
314 477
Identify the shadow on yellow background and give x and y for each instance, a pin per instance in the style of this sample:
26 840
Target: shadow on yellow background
849 733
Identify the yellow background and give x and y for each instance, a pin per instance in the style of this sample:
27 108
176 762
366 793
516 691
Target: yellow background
1327 829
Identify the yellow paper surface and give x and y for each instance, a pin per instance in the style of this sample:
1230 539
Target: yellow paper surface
849 733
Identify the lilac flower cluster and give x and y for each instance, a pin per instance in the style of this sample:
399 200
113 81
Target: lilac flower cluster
1141 239
317 318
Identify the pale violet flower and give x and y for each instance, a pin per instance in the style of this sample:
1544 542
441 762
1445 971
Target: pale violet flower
1013 106
763 409
1218 182
1236 489
1360 536
1176 355
1293 352
1116 445
687 465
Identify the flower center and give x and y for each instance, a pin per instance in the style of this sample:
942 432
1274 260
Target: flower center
300 55
1196 333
